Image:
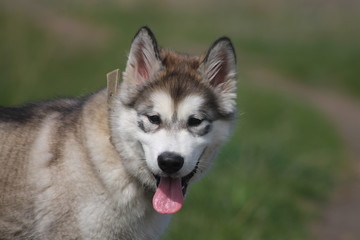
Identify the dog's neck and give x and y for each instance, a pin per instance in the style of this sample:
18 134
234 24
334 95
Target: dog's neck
102 153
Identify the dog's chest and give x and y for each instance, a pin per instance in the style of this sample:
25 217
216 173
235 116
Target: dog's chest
107 218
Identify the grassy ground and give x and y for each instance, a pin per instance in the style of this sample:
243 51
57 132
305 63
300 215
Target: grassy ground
283 157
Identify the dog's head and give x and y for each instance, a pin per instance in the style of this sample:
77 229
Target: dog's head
172 113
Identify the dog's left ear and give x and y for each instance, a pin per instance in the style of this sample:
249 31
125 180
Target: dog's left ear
143 61
219 70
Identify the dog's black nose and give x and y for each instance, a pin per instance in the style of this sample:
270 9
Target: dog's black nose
170 162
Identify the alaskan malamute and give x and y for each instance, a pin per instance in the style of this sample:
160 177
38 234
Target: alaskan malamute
81 169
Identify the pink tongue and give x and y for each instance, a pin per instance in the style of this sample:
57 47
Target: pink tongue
168 198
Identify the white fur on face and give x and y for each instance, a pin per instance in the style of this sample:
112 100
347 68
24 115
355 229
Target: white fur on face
163 104
181 142
174 139
144 147
189 106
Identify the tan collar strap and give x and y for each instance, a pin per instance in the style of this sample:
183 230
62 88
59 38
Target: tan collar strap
113 81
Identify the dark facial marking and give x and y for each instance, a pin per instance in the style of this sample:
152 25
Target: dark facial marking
206 130
140 124
200 130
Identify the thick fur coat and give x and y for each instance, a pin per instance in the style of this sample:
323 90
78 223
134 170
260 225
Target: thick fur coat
71 169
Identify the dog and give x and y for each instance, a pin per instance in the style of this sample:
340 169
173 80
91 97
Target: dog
73 169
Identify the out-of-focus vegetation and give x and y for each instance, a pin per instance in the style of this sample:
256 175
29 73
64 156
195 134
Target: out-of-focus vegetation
53 43
283 157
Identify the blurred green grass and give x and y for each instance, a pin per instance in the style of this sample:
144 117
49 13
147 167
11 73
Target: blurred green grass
313 41
283 157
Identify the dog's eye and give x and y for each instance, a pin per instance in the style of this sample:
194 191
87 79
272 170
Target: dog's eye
154 119
194 122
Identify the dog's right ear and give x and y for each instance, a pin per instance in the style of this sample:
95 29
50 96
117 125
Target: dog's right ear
143 60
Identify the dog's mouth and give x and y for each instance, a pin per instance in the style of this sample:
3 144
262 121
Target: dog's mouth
170 192
184 180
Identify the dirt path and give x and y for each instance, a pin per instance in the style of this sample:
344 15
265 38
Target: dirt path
341 217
